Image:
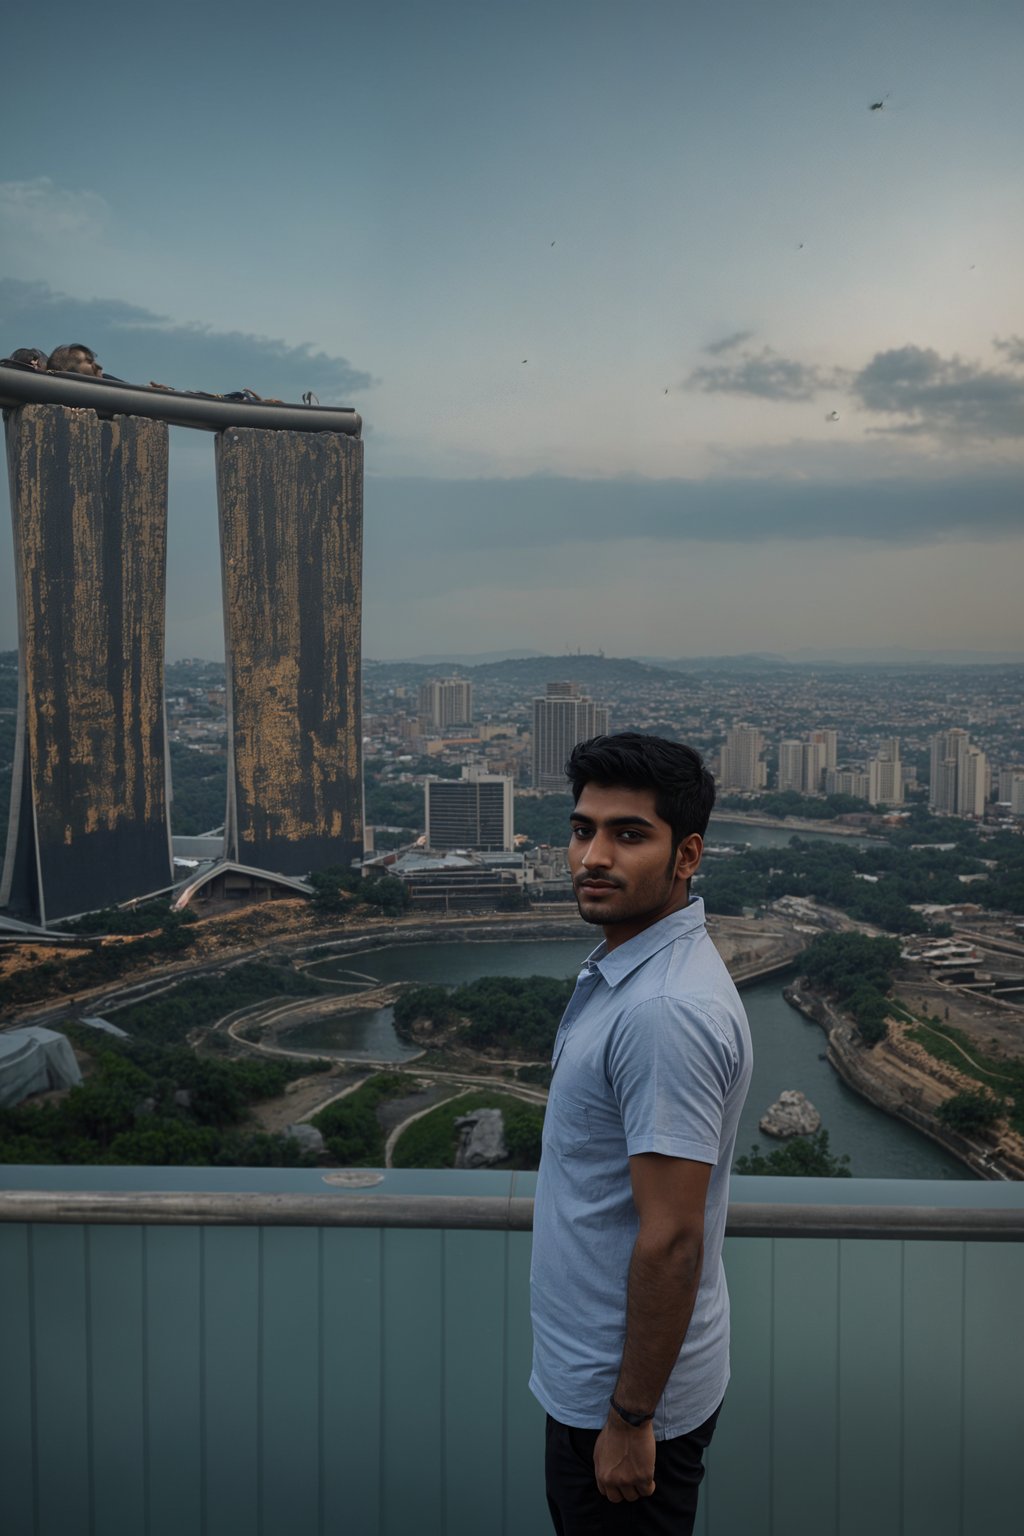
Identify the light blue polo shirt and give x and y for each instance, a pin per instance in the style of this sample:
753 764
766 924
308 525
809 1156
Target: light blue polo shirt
652 1055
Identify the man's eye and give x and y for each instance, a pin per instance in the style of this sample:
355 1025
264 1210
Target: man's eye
580 832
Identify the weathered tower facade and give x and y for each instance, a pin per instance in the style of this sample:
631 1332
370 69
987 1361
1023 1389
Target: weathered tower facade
291 546
89 820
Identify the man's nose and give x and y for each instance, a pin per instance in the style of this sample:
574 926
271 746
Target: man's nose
600 851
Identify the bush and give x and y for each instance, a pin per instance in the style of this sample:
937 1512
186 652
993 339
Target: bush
969 1112
432 1141
804 1156
351 1126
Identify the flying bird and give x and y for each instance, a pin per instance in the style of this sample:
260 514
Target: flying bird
879 106
832 416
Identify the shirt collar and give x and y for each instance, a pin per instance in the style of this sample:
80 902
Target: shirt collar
626 958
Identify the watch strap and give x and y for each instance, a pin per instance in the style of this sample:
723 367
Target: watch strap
634 1420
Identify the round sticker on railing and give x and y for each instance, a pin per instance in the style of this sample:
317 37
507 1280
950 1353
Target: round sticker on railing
354 1178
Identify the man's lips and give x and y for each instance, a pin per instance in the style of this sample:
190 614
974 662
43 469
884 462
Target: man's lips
592 884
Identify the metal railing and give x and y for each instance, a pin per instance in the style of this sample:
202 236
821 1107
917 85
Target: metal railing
482 1213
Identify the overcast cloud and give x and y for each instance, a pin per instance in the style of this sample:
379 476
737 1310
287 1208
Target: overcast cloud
765 374
136 344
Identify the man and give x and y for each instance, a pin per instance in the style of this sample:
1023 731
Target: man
651 1065
75 358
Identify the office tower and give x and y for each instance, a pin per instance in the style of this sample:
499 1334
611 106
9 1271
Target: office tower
291 545
741 766
562 718
447 701
885 774
959 775
88 825
474 812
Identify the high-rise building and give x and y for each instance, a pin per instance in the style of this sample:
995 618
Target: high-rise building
447 701
88 825
829 741
802 764
1007 778
1015 796
848 781
474 812
741 766
959 775
291 545
562 718
972 785
885 774
791 766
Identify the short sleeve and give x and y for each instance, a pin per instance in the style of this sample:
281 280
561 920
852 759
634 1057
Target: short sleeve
670 1068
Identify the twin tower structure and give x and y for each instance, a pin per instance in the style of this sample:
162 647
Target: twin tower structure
89 820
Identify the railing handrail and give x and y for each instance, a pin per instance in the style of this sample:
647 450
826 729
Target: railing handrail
178 408
482 1213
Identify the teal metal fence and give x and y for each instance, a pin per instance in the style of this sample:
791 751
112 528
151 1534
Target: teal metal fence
209 1380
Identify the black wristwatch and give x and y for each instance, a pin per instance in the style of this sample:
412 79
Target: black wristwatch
634 1420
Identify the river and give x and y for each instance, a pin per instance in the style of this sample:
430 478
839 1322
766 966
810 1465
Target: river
788 1049
723 830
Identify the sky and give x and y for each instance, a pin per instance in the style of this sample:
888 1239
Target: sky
665 343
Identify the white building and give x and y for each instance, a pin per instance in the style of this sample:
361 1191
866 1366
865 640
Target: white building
447 701
847 781
741 766
473 813
959 775
885 774
561 719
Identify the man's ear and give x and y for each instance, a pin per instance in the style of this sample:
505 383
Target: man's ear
688 855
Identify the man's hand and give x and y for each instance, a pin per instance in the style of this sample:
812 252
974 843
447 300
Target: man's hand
624 1461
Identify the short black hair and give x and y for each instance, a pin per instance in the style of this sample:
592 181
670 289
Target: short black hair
31 356
684 790
60 357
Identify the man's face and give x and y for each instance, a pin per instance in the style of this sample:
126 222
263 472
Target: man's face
625 871
81 362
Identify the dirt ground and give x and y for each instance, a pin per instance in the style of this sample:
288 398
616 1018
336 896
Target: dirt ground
304 1097
995 1028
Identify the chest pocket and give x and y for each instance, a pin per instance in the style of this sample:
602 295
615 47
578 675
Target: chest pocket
572 1123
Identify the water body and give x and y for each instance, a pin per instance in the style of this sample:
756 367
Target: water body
722 830
788 1048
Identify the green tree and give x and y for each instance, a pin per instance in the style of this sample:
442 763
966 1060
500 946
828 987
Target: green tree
803 1157
971 1111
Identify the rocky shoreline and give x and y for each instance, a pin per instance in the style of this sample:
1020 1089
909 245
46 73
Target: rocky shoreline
899 1077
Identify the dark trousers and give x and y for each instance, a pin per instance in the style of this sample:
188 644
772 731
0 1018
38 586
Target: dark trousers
577 1509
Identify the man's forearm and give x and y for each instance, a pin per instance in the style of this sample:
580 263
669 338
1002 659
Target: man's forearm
664 1276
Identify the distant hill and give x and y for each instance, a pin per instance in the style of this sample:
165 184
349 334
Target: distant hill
467 658
529 671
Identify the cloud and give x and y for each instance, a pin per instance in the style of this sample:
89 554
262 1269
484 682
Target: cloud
140 345
1013 346
521 521
943 396
764 374
727 342
42 211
